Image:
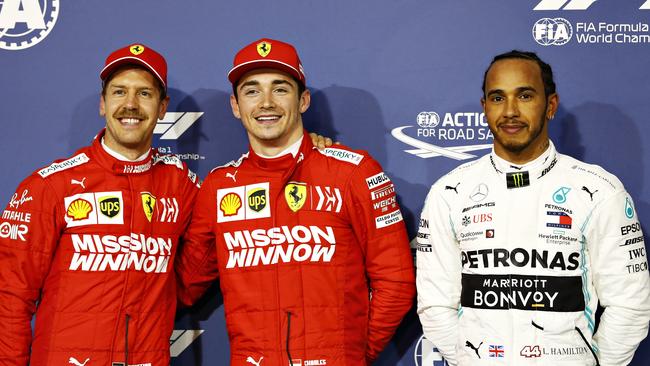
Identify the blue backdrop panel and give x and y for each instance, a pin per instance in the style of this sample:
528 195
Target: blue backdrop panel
373 68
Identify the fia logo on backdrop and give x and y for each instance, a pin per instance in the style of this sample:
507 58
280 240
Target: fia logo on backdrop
439 135
25 23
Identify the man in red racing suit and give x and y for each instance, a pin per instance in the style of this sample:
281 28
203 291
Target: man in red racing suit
310 246
88 243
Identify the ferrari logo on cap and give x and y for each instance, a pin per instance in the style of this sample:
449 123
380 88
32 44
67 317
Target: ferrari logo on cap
136 49
264 48
296 194
148 204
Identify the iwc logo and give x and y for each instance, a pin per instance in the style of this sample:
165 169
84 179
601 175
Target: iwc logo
24 23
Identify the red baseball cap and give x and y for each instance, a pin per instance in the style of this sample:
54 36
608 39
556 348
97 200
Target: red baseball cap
267 53
137 54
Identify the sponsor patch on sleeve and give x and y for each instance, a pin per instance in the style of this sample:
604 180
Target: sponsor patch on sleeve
377 180
388 219
66 164
343 155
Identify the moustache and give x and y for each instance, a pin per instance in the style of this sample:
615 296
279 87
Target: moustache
130 114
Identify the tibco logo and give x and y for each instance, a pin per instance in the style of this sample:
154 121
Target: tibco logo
552 31
24 23
174 124
427 355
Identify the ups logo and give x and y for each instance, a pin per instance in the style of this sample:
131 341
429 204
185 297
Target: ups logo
257 199
109 206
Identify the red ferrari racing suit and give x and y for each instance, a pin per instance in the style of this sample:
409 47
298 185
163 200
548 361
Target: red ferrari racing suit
312 255
92 240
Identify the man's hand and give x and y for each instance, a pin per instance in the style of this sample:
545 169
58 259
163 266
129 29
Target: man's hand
320 142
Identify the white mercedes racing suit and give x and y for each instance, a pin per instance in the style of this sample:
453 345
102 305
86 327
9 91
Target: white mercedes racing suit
512 262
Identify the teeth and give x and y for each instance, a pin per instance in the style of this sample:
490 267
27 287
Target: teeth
269 118
130 121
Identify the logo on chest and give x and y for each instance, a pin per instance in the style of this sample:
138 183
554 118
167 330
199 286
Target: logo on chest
243 203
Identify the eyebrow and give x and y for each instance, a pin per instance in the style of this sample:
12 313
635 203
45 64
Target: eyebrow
519 90
255 83
125 87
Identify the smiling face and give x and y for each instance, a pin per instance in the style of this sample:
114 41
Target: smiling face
132 106
516 109
270 109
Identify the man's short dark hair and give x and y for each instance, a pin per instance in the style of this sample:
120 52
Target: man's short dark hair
547 72
161 88
301 88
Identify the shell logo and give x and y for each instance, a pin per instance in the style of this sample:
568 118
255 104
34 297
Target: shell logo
79 209
230 204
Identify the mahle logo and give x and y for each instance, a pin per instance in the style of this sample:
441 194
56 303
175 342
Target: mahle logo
24 23
552 31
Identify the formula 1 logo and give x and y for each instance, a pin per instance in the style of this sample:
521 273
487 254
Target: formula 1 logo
181 339
574 5
24 23
174 124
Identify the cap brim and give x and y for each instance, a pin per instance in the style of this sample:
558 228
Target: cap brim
238 71
129 60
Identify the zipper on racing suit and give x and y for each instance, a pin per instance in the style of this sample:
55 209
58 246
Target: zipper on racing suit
588 345
288 334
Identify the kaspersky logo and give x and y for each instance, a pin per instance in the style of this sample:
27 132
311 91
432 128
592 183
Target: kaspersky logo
24 23
174 124
574 5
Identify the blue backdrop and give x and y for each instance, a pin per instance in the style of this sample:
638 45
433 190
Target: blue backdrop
373 67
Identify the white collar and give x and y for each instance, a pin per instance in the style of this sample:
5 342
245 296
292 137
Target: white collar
121 157
292 149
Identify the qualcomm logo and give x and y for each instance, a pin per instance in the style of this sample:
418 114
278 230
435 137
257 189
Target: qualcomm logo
552 31
426 354
462 126
24 23
174 124
181 339
574 5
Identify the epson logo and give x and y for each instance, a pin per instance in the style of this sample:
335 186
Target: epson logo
630 228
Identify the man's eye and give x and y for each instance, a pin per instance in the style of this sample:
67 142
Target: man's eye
497 98
525 96
250 92
281 90
145 93
118 92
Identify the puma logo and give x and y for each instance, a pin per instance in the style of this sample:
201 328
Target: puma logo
74 361
233 176
453 188
74 181
470 345
591 194
252 360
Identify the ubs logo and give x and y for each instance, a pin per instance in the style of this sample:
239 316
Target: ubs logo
24 23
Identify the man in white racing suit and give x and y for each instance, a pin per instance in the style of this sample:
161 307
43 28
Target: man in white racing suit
517 249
